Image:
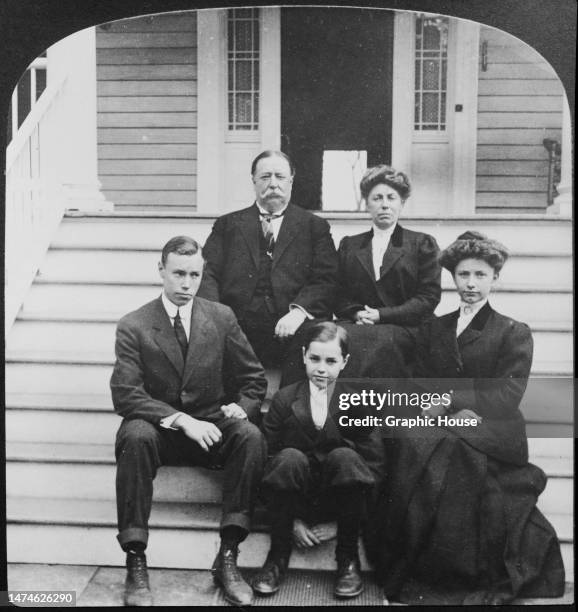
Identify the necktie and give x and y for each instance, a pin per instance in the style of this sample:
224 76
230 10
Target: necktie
181 334
268 234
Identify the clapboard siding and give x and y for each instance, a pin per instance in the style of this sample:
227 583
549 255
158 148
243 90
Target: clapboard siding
181 55
519 104
139 182
515 152
532 136
147 151
164 40
147 136
146 104
143 72
535 104
147 111
156 120
145 88
510 202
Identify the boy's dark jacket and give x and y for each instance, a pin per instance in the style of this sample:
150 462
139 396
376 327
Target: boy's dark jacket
288 424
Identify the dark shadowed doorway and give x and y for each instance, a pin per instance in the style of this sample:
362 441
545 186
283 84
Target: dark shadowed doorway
336 90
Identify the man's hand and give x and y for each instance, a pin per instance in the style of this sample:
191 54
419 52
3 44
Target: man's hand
234 411
290 323
205 434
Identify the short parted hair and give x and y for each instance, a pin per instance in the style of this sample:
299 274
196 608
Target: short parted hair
385 175
181 245
272 153
326 331
474 245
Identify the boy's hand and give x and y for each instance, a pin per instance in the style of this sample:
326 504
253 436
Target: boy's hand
303 536
205 434
234 411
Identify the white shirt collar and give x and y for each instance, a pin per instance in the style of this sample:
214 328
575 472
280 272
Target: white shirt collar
266 212
171 309
316 391
383 234
472 308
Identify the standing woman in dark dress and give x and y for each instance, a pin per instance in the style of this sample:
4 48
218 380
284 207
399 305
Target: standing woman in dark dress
389 281
458 521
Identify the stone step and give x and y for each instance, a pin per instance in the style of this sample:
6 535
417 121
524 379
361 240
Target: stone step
140 267
83 532
45 470
42 374
96 302
99 426
150 231
78 341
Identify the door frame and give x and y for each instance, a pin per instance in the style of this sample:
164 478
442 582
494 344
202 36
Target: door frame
463 54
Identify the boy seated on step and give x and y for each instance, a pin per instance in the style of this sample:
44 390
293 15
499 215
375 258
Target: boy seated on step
317 465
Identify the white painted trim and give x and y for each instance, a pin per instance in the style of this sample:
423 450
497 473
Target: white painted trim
270 94
403 91
210 110
464 123
563 202
74 57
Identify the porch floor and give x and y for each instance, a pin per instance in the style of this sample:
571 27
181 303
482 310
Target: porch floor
103 586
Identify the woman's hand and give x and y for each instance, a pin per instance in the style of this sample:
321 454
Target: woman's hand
368 316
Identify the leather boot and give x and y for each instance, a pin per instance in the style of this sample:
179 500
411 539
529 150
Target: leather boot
270 577
136 587
348 580
227 575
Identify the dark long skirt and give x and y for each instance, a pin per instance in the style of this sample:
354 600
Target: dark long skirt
378 351
454 526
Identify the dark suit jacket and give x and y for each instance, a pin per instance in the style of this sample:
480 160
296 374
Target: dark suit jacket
304 262
150 380
288 424
487 366
409 287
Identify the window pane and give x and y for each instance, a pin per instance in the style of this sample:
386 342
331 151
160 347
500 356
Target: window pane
430 108
431 35
244 36
243 76
431 75
243 68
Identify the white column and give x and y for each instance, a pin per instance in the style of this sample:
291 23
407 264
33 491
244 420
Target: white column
75 58
403 91
211 68
270 93
563 202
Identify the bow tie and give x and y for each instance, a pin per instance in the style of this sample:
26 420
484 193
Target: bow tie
468 310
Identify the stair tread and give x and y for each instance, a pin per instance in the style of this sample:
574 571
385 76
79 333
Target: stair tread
550 366
49 452
88 402
175 515
76 316
514 288
172 515
60 245
52 452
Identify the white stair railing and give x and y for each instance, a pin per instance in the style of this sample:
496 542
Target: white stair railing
35 196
